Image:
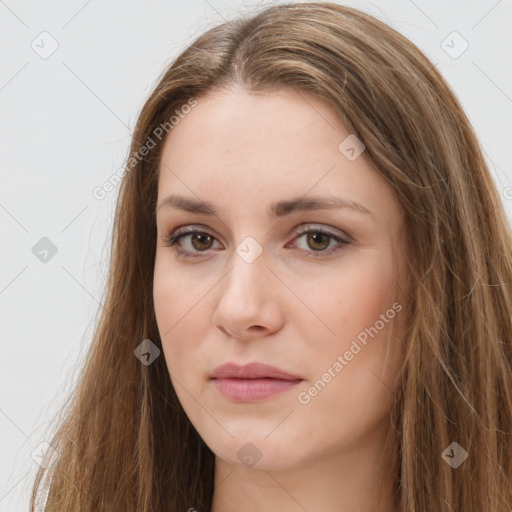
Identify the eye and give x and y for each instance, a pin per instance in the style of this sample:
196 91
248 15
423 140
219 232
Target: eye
317 239
199 241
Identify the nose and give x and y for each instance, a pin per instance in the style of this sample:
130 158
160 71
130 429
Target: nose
250 304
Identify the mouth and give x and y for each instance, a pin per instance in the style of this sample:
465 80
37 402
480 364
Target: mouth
253 382
252 390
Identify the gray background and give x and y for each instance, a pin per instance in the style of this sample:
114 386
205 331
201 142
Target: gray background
65 126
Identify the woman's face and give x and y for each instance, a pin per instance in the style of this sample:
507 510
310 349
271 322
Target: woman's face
270 278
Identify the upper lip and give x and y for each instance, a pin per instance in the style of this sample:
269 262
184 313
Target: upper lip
251 371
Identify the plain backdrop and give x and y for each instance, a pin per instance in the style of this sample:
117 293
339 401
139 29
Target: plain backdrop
73 77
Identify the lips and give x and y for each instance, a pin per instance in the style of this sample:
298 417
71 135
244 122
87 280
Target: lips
253 382
251 371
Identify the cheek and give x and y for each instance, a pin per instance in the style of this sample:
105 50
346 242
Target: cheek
357 398
354 299
176 293
181 316
165 292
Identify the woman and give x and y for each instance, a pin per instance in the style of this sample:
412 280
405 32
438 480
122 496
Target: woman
309 303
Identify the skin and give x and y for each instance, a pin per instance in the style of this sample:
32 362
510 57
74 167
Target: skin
242 151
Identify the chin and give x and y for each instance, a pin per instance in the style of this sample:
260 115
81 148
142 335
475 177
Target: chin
256 452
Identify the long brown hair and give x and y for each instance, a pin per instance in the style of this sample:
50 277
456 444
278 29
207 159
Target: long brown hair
124 441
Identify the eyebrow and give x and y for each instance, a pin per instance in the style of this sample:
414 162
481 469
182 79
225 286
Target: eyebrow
277 209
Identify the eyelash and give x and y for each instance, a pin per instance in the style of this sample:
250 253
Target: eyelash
170 241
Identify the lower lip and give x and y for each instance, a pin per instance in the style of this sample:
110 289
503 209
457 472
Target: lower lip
253 390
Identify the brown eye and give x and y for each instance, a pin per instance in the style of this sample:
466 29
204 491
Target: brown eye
201 241
190 243
317 240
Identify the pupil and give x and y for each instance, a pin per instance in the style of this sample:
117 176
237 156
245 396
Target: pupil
201 238
316 240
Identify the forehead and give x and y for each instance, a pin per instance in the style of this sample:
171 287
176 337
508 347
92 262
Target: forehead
249 149
238 126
